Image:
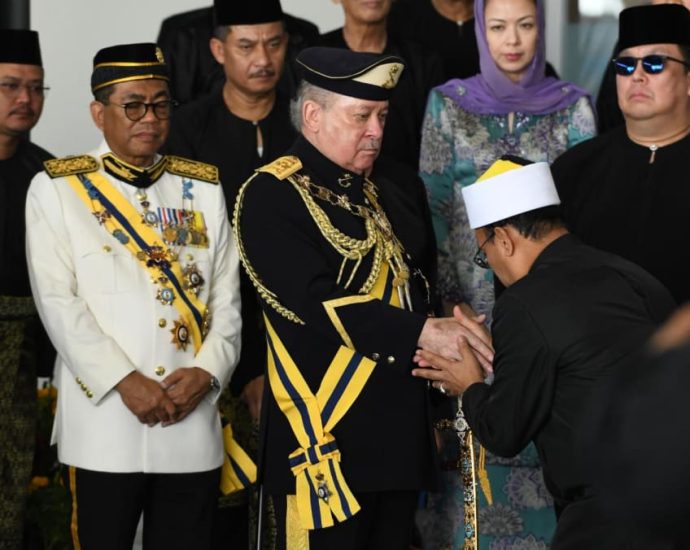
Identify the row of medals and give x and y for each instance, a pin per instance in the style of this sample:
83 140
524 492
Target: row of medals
174 235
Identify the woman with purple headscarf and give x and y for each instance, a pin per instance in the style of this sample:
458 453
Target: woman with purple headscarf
510 107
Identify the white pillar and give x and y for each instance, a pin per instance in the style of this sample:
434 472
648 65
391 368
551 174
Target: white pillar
556 26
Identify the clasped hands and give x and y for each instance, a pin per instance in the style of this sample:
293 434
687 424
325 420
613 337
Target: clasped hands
454 352
168 401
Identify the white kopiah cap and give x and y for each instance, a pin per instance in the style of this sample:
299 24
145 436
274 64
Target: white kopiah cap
508 188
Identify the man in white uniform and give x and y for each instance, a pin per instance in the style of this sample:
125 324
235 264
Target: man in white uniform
135 276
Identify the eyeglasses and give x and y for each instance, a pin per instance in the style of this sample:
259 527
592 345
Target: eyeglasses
136 110
13 89
480 256
652 64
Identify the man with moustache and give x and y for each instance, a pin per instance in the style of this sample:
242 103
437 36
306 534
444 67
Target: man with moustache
347 441
26 350
135 276
238 128
366 30
194 72
624 191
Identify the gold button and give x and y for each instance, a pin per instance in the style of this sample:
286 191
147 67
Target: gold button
162 323
375 356
390 359
89 394
78 380
190 257
106 248
160 371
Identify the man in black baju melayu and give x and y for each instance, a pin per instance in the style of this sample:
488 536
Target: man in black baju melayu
626 191
570 318
24 347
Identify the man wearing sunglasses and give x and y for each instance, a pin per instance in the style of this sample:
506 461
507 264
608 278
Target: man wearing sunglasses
135 276
570 317
626 191
26 348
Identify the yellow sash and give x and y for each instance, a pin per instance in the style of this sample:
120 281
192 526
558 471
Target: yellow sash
239 471
322 494
125 223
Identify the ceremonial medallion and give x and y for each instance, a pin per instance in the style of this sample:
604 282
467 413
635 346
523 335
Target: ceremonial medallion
150 218
158 257
165 296
193 281
180 333
170 235
322 489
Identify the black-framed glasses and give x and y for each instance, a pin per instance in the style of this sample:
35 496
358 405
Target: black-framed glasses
651 64
136 110
13 89
480 256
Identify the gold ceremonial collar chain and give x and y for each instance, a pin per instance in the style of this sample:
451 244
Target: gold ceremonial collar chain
380 235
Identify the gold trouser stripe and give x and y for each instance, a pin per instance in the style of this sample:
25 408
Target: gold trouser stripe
296 536
74 524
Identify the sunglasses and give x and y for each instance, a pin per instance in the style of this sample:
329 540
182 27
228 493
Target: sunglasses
651 64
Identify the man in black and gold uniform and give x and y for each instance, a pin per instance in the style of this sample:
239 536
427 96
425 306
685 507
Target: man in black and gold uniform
24 346
347 442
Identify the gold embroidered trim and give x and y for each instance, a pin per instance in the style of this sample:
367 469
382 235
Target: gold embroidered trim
265 294
193 169
282 167
69 166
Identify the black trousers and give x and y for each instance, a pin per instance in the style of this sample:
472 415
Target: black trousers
178 509
386 521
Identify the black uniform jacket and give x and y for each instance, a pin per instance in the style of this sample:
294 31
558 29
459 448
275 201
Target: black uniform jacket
559 333
184 39
206 130
616 199
423 70
385 438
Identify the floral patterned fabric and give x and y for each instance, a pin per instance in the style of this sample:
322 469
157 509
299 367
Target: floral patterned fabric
457 147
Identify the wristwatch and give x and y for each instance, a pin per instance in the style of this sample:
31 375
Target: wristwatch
215 383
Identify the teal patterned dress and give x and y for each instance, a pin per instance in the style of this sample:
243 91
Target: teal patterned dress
457 147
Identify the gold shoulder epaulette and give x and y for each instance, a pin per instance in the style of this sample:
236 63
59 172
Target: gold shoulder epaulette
69 166
282 167
192 169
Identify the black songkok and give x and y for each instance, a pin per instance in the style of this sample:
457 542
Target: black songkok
246 12
660 24
20 46
127 62
355 74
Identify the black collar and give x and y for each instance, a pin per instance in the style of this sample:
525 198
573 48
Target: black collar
327 173
132 175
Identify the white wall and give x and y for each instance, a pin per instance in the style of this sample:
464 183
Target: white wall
72 31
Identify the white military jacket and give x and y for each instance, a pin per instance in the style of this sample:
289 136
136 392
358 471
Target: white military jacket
100 307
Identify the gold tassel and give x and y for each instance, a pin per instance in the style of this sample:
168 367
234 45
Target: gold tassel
484 482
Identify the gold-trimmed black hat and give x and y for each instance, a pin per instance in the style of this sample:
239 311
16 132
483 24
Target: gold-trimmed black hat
355 74
251 12
20 46
127 62
657 24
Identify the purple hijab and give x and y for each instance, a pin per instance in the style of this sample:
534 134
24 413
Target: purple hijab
493 93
